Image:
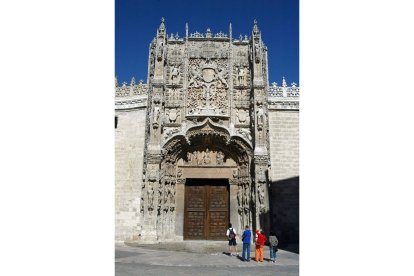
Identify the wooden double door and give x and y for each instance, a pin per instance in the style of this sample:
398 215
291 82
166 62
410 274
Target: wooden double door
206 209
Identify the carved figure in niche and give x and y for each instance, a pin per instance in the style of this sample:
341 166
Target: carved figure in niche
235 173
260 118
206 157
194 76
174 74
256 52
156 114
160 49
220 158
150 197
240 76
200 157
246 197
179 173
191 158
172 114
261 197
240 196
221 76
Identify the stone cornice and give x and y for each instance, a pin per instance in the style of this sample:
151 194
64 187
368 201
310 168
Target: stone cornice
284 103
131 102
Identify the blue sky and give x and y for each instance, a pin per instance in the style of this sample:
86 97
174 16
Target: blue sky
136 22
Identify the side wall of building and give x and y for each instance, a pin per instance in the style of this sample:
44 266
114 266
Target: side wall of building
284 176
129 156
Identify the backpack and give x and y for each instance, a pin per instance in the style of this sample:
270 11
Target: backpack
232 236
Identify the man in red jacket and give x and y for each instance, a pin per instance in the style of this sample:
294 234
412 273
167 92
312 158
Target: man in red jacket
260 241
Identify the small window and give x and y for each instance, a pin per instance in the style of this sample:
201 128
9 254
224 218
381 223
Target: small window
116 121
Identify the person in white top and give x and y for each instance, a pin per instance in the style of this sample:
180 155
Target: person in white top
231 235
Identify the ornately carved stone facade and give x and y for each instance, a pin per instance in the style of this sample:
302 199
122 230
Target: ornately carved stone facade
206 113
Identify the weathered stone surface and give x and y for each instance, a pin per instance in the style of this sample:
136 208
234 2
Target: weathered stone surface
129 150
207 112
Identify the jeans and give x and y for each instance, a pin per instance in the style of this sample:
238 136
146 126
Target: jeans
272 253
246 251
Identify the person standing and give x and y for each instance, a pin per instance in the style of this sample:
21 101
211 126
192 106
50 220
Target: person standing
273 242
246 238
260 241
231 235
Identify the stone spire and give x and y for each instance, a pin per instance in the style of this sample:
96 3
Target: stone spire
161 29
116 81
284 82
255 28
208 33
186 30
132 81
230 31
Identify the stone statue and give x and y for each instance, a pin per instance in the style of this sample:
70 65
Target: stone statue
160 49
256 52
191 158
240 76
206 157
156 114
174 74
260 118
150 197
200 157
220 158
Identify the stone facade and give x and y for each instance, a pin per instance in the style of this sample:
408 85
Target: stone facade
206 112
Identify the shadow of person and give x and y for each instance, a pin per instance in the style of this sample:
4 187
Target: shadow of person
240 258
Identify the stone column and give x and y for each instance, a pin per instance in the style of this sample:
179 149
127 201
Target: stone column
179 210
234 205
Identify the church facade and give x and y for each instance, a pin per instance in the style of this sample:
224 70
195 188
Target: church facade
205 142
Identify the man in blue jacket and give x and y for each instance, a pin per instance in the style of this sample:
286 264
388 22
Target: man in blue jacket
246 237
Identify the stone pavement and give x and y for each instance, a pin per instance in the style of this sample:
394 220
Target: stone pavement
197 258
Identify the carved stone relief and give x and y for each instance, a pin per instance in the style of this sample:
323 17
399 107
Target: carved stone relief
241 75
173 97
241 99
172 115
160 50
207 157
207 87
156 112
169 132
245 133
174 73
242 116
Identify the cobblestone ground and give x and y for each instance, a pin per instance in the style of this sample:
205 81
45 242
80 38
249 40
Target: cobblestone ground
197 258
